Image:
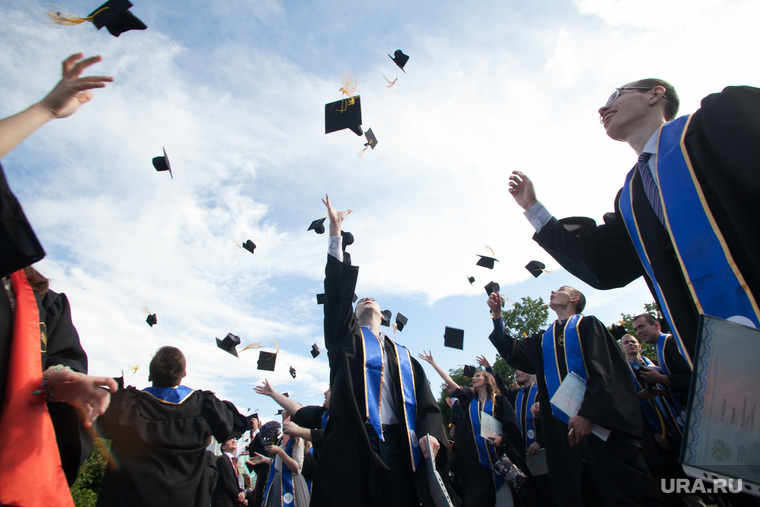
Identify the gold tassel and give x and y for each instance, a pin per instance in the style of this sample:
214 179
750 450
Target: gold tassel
390 83
65 19
255 345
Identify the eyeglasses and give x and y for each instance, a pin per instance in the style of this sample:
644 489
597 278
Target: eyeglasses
616 93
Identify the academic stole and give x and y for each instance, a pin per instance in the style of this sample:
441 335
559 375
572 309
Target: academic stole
562 354
170 395
374 368
657 410
524 415
286 490
680 409
486 453
715 283
29 454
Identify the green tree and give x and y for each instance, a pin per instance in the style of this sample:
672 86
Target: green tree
85 489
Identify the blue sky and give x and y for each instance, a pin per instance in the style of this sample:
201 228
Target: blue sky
235 92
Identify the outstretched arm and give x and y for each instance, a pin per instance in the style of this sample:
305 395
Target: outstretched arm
82 391
291 406
451 386
63 100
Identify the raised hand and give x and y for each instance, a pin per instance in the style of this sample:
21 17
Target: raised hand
522 190
428 357
264 389
482 361
336 217
494 303
72 91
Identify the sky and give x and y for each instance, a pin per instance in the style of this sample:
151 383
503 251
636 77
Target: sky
235 93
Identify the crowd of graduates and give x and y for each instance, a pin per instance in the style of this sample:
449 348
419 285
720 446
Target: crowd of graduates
378 439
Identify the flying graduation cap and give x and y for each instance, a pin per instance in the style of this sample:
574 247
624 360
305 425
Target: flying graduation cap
469 371
344 114
249 245
114 15
320 299
386 318
292 372
536 268
485 261
471 279
399 58
266 361
229 343
314 350
371 139
400 322
453 338
152 320
162 164
318 225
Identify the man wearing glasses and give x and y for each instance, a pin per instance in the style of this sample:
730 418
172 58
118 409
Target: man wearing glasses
686 218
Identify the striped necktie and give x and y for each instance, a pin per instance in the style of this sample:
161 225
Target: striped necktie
650 187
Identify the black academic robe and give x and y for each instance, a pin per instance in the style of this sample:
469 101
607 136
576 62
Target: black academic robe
262 469
610 401
478 486
227 485
348 467
19 246
310 417
679 376
721 143
158 449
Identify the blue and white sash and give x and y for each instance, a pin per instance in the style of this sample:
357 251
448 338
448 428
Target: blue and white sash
713 278
524 415
486 451
570 359
170 395
374 369
659 413
287 499
680 410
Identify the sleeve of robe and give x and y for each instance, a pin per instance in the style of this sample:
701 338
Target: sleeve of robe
680 372
19 246
521 354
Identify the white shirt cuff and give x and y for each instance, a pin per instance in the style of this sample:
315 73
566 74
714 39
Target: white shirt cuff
336 247
538 216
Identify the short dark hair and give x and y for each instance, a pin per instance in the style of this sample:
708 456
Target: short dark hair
581 304
167 368
672 102
651 319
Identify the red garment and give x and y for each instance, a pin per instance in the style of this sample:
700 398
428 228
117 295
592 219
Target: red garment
30 465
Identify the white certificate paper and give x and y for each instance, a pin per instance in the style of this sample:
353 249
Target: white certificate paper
489 426
568 399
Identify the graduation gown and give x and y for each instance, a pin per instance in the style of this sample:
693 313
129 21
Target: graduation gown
348 467
610 401
158 448
721 143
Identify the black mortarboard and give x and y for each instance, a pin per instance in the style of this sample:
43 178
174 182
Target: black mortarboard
255 415
314 350
279 412
152 319
318 226
469 371
386 318
348 239
292 372
342 114
492 287
453 338
617 331
486 262
266 361
471 279
535 268
371 139
229 343
320 299
400 321
354 298
399 58
115 16
163 164
249 245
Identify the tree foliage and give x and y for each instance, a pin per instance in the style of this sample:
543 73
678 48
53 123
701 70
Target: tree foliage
85 489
